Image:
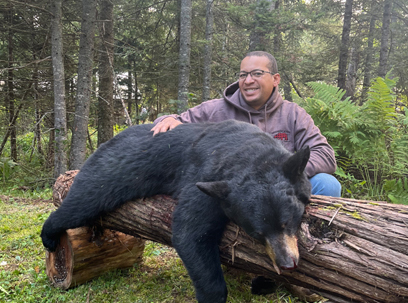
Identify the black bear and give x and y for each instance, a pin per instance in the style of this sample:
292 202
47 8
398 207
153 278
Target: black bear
217 171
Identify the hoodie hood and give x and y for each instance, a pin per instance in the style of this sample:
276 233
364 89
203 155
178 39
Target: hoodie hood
233 96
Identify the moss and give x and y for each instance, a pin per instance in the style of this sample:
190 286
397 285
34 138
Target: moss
356 215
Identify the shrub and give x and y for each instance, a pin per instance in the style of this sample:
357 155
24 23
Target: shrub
370 141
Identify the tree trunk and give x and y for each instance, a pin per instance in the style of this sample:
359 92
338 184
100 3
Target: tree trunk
287 90
209 20
351 79
10 87
84 87
351 250
184 54
37 130
260 27
60 122
289 79
369 55
8 132
277 38
344 47
394 43
137 95
36 53
105 99
130 86
50 152
385 36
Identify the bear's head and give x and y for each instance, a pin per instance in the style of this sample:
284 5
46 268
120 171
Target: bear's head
268 205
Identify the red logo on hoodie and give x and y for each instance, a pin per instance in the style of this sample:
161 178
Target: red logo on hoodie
281 136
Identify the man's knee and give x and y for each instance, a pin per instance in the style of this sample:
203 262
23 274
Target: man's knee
325 185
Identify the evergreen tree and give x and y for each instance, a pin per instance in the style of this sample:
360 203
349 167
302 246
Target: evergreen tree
84 87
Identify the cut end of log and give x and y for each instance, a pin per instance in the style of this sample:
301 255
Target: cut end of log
59 264
81 257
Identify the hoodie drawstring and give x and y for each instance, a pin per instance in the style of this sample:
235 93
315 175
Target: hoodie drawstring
265 119
250 119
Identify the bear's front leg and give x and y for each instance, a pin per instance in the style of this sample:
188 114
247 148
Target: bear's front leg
197 230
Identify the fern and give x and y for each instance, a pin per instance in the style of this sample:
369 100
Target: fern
399 147
339 120
327 93
380 104
397 190
370 141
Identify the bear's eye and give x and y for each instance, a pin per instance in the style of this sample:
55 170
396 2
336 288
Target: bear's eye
258 235
303 198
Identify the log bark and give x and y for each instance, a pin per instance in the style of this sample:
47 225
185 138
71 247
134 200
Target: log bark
351 250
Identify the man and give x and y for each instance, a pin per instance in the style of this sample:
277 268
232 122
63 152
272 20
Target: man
255 99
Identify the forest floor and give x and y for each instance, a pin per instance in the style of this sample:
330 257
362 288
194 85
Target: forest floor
161 277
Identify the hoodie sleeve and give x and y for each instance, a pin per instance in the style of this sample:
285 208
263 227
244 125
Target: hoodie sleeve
322 159
198 114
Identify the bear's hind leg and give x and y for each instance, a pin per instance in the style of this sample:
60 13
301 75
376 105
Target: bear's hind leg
196 238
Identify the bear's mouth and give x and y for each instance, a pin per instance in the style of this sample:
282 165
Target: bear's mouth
290 268
283 252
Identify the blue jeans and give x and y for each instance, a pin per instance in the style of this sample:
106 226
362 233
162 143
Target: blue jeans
325 185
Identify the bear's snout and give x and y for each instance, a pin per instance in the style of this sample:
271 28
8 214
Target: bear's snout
293 266
283 251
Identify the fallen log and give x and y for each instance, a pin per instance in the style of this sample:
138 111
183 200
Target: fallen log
82 255
85 253
351 250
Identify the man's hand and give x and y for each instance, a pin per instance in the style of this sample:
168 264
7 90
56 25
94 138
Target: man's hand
166 124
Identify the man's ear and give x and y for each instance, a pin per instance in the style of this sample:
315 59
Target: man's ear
293 167
277 79
216 189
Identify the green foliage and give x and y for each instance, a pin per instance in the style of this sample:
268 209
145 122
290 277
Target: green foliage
339 120
6 167
173 106
30 170
397 190
370 141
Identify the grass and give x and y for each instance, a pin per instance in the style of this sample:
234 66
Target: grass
160 278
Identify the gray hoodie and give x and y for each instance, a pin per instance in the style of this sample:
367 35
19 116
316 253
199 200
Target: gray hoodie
282 119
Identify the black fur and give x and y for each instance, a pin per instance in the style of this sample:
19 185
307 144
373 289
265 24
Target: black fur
217 171
263 286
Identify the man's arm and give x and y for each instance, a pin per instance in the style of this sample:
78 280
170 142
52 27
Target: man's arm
322 158
198 114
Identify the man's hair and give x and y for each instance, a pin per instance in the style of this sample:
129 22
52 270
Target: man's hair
272 65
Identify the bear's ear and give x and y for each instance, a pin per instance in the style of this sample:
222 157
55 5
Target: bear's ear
216 189
293 167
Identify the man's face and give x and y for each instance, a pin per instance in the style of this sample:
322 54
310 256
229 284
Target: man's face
257 91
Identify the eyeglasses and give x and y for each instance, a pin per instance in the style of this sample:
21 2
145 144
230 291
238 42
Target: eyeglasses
255 74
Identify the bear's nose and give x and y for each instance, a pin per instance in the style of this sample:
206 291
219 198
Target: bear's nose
290 267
